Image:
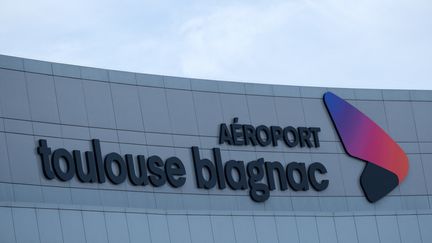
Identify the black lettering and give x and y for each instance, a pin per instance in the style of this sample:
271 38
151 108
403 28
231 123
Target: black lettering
91 175
300 168
305 136
67 158
317 167
276 134
225 135
44 151
115 158
259 192
155 165
249 135
98 158
263 141
219 168
175 172
314 131
141 179
293 131
199 165
278 167
239 167
236 131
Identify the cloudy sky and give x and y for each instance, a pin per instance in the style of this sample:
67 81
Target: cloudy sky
335 43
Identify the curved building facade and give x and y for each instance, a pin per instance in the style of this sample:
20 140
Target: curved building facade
93 155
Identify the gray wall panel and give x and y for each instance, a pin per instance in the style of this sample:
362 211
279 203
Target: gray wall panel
13 94
177 83
326 229
389 203
27 193
47 129
305 203
6 192
351 170
316 116
18 126
21 150
149 80
11 62
208 112
71 101
401 128
427 168
395 94
156 117
117 227
61 195
75 132
423 119
200 229
158 228
244 229
388 229
409 228
182 111
415 202
367 231
346 229
287 229
415 182
138 227
37 66
425 221
121 77
140 200
66 70
72 226
223 229
49 226
307 229
127 107
262 110
114 198
94 226
42 98
100 109
5 172
178 228
94 73
25 225
312 92
265 228
234 105
6 225
333 204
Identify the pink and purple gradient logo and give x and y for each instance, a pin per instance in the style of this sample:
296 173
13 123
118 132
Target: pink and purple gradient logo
387 163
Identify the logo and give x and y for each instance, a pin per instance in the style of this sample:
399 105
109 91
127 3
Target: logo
386 162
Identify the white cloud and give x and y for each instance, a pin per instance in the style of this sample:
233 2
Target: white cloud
311 42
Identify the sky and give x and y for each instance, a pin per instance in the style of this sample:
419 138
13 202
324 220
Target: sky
332 43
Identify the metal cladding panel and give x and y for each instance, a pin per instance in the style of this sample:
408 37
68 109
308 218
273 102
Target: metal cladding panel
151 115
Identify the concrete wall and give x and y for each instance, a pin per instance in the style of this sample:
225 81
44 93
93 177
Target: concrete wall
148 114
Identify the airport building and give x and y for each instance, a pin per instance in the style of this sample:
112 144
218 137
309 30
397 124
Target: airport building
93 155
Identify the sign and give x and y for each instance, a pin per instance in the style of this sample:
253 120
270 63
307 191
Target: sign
387 164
